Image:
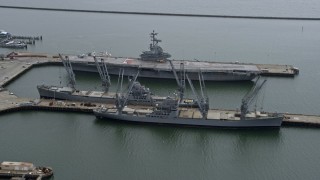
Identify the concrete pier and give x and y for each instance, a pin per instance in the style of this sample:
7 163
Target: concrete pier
11 103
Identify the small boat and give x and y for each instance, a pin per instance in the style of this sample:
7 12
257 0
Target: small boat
13 44
4 34
25 170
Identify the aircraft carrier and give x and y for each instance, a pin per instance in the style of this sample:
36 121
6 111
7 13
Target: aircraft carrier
154 64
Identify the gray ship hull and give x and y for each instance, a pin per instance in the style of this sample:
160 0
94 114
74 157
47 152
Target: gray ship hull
67 95
210 71
96 96
252 123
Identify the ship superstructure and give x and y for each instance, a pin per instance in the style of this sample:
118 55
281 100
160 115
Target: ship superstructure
155 52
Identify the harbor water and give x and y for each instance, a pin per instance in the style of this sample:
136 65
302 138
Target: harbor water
79 146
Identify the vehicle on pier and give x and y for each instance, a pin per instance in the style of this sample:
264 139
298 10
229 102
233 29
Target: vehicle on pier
24 170
154 64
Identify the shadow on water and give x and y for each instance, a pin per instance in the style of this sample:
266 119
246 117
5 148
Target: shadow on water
173 134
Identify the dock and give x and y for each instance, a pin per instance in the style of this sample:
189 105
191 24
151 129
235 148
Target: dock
11 103
7 40
11 68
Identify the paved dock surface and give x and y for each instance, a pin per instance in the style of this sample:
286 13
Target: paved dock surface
10 103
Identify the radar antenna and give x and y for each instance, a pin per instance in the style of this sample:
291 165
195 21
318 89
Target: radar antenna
154 40
67 64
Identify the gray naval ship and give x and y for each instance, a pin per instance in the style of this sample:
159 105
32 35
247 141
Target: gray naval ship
169 112
139 94
154 64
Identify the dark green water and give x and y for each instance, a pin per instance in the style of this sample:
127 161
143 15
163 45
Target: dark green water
78 146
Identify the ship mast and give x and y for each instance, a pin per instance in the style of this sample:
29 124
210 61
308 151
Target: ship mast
250 96
67 64
154 40
202 101
103 72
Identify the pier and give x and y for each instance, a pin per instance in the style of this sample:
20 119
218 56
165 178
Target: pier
8 40
11 103
18 63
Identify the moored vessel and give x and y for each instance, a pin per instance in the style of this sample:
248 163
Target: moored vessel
139 94
169 112
25 170
154 64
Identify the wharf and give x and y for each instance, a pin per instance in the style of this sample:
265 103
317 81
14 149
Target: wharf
12 103
11 68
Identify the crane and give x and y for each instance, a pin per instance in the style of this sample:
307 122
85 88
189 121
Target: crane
202 101
120 99
67 64
250 96
103 72
182 82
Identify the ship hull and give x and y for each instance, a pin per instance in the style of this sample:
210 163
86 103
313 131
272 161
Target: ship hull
51 94
47 93
253 123
211 71
166 74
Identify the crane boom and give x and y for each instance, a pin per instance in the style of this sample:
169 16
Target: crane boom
104 75
250 96
130 88
181 83
67 64
120 99
174 73
202 102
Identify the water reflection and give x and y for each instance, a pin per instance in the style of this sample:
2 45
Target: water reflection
205 138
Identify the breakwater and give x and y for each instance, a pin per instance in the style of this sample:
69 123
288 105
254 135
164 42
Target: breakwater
162 14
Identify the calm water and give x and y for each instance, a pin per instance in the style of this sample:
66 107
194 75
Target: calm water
78 146
295 8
